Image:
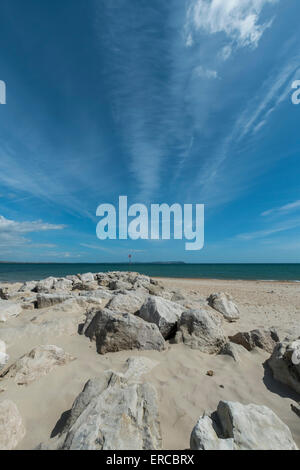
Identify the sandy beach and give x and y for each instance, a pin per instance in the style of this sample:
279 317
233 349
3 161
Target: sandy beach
185 391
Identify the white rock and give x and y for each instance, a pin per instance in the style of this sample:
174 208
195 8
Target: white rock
233 350
9 289
130 302
204 437
224 304
9 309
48 300
164 313
45 285
4 358
112 413
241 427
38 363
120 285
285 363
114 331
63 284
12 430
28 286
263 339
200 329
87 277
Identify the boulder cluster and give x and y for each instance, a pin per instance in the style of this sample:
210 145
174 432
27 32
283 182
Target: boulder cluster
125 311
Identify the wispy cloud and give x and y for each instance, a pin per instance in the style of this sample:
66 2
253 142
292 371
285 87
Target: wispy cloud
282 227
273 92
12 232
202 72
283 209
238 19
96 247
7 225
257 112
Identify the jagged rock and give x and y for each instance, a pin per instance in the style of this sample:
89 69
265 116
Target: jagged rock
85 286
204 436
72 277
115 331
99 294
129 302
199 329
48 300
4 358
9 309
285 363
155 289
233 350
87 277
241 427
224 304
9 289
178 296
45 285
113 413
12 430
38 363
119 285
28 286
164 313
103 279
263 339
63 284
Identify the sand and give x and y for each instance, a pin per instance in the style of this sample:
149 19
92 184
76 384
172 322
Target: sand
184 389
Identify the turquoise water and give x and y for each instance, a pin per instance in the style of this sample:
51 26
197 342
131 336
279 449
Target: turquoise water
25 272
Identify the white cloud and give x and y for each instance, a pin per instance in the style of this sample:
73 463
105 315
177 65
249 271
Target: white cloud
12 232
226 52
7 225
238 19
283 209
205 73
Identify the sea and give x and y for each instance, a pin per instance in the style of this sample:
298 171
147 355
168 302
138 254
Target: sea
13 272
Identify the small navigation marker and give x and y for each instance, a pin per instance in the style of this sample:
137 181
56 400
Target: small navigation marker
129 257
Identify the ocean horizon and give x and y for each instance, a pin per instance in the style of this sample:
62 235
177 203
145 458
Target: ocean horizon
21 272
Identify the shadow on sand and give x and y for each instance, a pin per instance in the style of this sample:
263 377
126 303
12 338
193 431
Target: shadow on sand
60 423
276 387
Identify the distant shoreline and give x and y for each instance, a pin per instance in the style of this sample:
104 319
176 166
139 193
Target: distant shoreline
258 272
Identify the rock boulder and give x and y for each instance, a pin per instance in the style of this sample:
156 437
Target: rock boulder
114 331
241 427
199 329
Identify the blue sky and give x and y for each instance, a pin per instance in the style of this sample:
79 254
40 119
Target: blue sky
178 101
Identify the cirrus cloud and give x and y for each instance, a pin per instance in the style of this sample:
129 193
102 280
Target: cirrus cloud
238 19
